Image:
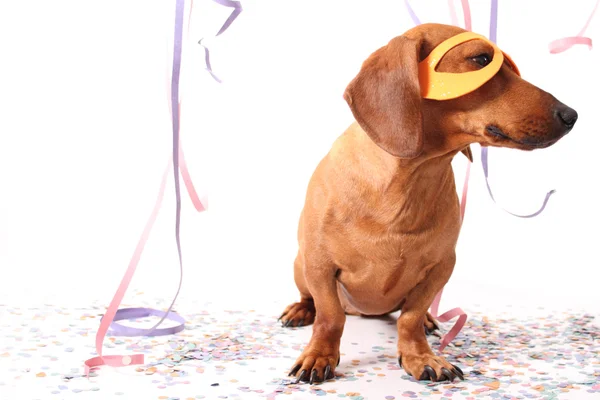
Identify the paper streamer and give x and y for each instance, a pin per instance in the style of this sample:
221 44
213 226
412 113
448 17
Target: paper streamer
455 312
135 313
466 13
494 21
448 316
484 163
111 313
484 150
563 44
177 159
107 319
411 12
237 9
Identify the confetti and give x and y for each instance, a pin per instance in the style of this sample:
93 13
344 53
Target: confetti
242 354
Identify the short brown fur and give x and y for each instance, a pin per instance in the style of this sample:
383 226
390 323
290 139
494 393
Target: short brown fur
381 218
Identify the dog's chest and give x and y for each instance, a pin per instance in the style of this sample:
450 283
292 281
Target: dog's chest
386 262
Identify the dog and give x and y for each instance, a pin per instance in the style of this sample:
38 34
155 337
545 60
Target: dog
380 222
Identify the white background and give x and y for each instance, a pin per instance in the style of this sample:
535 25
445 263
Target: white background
85 135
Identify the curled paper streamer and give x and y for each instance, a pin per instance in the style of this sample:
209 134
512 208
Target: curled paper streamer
207 62
237 9
411 12
484 150
484 163
466 13
448 316
563 44
177 160
457 311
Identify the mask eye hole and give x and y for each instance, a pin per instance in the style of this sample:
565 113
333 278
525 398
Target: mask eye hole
482 59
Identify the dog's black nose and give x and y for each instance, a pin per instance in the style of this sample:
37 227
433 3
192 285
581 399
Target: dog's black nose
567 115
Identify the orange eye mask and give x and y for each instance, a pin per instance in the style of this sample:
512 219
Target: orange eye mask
445 85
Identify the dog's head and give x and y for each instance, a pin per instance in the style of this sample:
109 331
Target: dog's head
506 111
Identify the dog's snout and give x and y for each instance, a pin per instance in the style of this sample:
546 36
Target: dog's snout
566 115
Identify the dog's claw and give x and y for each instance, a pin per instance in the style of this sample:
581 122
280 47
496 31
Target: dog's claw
301 377
313 377
458 372
327 374
338 363
288 323
294 370
446 373
400 361
428 373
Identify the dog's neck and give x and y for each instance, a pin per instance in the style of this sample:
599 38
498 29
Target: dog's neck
403 185
436 157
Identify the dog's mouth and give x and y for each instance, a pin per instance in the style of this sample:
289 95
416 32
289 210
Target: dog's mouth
498 133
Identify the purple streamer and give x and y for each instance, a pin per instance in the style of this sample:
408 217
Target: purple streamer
121 330
484 164
494 21
178 43
411 12
207 61
135 313
237 10
484 150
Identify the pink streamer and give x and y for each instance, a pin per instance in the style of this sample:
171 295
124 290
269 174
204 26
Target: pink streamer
463 201
447 316
113 308
563 44
455 312
120 361
435 305
466 14
107 319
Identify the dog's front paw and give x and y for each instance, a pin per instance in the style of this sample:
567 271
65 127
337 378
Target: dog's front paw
315 365
430 367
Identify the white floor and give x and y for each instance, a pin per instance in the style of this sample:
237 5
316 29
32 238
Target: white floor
245 354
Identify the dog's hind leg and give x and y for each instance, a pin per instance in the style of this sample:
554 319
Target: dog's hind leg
430 324
303 312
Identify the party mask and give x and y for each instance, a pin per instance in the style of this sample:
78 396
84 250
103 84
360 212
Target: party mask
445 85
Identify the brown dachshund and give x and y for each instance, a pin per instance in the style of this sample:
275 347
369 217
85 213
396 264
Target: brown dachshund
381 217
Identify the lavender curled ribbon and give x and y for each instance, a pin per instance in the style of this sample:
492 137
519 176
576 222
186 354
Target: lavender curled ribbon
484 163
178 44
484 151
207 62
135 313
121 330
237 10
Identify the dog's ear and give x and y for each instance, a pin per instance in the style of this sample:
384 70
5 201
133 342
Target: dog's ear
385 98
468 153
